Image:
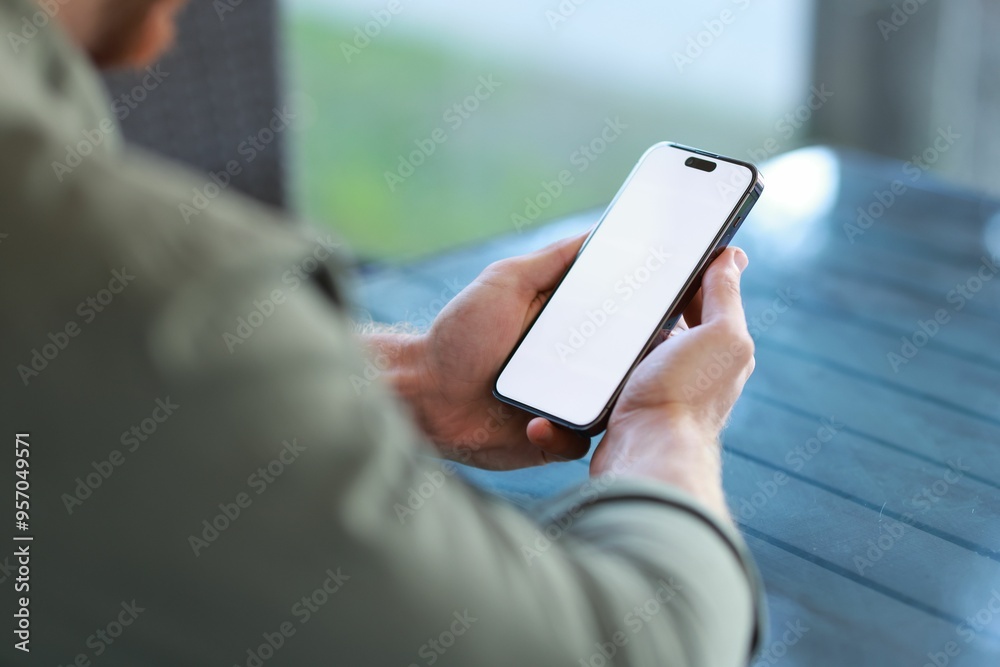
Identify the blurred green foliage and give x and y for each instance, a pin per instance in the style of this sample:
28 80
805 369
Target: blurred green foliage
373 106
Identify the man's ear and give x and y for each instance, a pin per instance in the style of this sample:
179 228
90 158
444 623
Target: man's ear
145 39
154 35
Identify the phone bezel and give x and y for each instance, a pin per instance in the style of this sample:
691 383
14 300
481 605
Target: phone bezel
687 292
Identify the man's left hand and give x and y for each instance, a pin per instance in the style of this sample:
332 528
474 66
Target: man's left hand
447 374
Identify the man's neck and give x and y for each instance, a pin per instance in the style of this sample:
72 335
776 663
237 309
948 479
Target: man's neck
81 19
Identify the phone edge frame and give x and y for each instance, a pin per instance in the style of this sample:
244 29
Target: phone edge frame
739 214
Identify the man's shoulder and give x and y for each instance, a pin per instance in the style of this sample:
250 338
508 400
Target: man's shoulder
107 262
134 210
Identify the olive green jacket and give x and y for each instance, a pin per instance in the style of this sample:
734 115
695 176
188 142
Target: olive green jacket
211 485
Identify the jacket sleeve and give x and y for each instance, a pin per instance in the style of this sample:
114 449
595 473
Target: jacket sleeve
221 473
428 570
286 503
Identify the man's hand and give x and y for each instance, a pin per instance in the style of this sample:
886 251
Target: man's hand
667 421
447 375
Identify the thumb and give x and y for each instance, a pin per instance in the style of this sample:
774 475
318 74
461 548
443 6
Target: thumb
721 301
541 270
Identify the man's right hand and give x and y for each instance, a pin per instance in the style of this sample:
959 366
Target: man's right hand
667 422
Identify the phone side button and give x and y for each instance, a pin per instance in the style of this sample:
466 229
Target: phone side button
732 232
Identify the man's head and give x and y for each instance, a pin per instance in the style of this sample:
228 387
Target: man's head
121 32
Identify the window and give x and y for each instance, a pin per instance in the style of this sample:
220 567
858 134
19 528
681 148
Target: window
439 123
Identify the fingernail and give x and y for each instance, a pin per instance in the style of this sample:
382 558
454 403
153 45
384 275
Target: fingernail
544 437
740 259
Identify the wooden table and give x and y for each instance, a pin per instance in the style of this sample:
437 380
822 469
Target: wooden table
863 461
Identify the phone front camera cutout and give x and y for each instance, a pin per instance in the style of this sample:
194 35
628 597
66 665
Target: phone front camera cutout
698 163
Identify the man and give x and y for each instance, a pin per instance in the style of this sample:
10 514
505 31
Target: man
196 501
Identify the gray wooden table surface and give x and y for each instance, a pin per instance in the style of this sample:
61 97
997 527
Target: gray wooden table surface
863 461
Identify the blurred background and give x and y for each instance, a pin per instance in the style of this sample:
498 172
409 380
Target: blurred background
415 128
563 71
424 126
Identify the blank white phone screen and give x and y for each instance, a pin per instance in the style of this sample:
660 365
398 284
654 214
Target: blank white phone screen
623 283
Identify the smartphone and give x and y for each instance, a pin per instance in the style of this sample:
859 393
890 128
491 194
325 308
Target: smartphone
632 279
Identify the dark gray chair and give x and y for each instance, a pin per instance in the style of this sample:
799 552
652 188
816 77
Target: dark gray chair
223 85
903 72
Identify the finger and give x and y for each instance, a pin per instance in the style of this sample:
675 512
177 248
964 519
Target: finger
720 288
693 311
541 270
679 327
557 443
